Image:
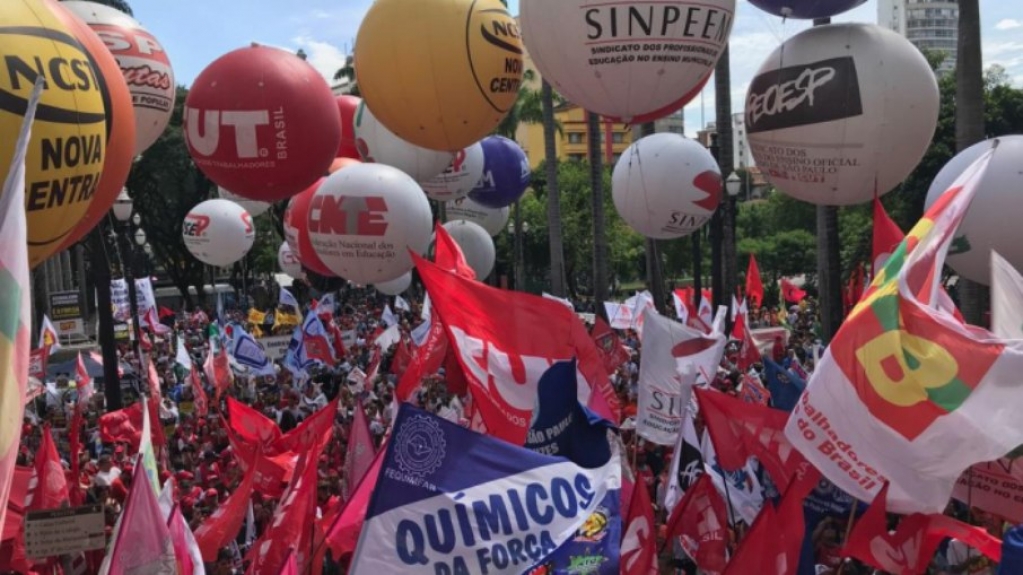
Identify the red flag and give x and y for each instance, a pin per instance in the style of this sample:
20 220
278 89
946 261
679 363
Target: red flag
314 430
49 485
754 287
402 358
37 361
506 341
343 534
360 454
251 425
337 338
372 369
908 551
887 237
611 349
426 360
219 529
639 543
218 371
449 256
122 426
85 387
293 523
75 492
740 430
199 399
269 471
700 523
790 292
749 353
753 391
20 482
186 550
290 566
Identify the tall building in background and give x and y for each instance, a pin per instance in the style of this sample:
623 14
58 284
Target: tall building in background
742 158
931 25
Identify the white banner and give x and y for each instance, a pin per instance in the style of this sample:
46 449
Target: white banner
275 346
675 357
995 487
144 297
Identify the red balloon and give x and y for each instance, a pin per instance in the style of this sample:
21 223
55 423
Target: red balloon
346 106
262 123
296 231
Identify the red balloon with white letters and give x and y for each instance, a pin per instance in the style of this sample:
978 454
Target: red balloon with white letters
262 123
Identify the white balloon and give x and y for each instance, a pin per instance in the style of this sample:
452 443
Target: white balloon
988 224
477 246
491 219
666 186
254 207
395 286
218 232
364 219
838 112
459 178
143 62
288 262
378 144
628 59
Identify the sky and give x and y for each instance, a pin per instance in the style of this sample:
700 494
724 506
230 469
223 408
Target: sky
196 32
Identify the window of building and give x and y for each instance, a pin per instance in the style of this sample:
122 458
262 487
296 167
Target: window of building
575 137
576 157
617 137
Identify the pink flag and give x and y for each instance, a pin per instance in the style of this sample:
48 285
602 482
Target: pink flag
186 550
86 387
360 454
343 535
142 542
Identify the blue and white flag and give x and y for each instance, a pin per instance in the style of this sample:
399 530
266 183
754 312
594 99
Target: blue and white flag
449 500
419 333
388 316
326 305
286 298
401 304
247 352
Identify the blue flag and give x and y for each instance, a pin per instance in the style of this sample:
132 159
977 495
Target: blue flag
451 501
784 385
561 425
247 352
1012 552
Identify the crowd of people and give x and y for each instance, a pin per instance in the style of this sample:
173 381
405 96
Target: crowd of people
199 456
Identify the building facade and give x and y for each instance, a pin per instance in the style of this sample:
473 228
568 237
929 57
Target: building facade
571 142
931 25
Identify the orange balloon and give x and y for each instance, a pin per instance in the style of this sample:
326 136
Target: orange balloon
120 124
339 163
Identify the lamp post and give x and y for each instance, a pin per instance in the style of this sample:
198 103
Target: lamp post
733 186
123 208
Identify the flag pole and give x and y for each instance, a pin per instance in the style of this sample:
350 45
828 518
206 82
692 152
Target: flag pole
848 531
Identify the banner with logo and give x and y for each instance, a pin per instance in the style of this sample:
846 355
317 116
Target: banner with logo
449 500
995 487
675 358
66 312
145 298
275 346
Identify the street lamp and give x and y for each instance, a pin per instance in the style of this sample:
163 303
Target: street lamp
733 185
123 212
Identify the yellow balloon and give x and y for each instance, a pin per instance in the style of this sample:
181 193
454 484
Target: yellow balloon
440 74
68 146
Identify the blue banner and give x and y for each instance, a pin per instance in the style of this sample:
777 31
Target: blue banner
784 385
451 501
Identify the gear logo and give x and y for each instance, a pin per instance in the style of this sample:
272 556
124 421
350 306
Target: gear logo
420 446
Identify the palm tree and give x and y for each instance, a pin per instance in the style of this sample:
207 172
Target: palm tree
550 152
654 274
729 271
970 125
600 247
347 72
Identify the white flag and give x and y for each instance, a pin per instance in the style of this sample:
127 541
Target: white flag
181 357
401 304
675 357
1006 299
48 337
389 337
286 298
388 316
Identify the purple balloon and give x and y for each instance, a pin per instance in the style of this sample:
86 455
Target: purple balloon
506 173
806 9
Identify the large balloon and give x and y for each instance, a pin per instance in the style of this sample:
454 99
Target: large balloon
378 144
459 178
218 232
666 186
262 123
287 261
67 149
628 59
506 173
144 64
476 244
296 230
440 73
988 224
364 219
346 107
120 125
491 219
806 9
395 286
254 207
840 112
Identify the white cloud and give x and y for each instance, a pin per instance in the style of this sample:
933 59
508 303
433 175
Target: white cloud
1008 24
326 58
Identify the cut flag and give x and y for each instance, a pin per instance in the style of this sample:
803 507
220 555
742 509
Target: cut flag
905 393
